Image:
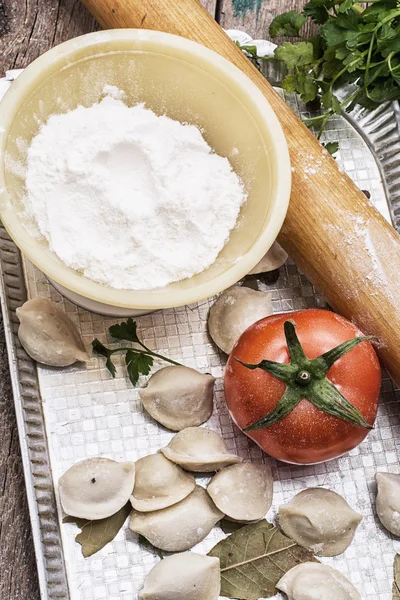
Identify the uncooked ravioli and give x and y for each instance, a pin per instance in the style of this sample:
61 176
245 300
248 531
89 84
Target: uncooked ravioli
274 259
48 335
96 488
233 312
388 501
179 397
313 581
186 576
181 526
199 450
319 520
243 491
159 483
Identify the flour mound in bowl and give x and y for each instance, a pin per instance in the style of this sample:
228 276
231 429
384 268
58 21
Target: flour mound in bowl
130 199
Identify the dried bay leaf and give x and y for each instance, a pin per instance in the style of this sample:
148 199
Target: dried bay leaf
94 535
253 560
145 544
396 582
230 526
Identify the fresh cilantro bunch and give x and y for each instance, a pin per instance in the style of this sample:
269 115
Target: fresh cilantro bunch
353 46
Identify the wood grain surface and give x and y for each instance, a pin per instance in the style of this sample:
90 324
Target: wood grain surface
27 29
254 16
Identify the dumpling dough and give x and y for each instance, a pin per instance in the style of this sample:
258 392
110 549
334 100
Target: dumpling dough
96 488
314 581
274 259
319 520
186 576
199 450
48 335
179 397
181 526
388 501
159 483
243 492
233 312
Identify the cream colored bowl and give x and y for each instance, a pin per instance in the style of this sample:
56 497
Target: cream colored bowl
172 76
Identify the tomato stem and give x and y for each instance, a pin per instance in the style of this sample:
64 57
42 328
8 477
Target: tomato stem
303 378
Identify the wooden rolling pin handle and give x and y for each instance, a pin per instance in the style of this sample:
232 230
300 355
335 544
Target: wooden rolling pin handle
343 245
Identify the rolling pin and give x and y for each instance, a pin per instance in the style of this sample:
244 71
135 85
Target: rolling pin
332 232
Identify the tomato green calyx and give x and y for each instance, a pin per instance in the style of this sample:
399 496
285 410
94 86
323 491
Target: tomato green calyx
306 378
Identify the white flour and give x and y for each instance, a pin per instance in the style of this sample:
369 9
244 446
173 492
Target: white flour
131 199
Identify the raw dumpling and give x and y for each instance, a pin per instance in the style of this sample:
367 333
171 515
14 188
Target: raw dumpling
180 526
199 450
314 581
96 488
159 483
319 520
243 492
233 312
274 259
48 335
186 576
388 501
179 397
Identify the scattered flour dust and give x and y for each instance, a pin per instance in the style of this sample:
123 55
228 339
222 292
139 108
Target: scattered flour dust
131 199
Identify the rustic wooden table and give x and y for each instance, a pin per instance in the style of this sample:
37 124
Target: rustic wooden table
27 29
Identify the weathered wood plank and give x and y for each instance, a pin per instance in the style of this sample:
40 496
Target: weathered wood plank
29 28
210 5
33 27
254 16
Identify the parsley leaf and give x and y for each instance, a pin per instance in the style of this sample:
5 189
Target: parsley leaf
329 100
334 34
125 331
384 92
137 364
318 10
371 13
139 361
295 55
287 24
331 147
346 5
103 351
252 50
303 84
395 71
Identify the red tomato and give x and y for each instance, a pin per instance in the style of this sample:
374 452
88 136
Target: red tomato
307 434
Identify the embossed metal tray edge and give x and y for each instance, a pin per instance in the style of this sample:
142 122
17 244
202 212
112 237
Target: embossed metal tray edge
380 130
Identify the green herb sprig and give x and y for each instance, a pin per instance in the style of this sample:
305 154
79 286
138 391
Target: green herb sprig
353 46
139 361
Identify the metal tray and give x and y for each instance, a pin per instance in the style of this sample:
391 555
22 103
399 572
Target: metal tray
68 414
